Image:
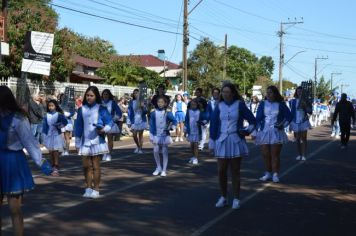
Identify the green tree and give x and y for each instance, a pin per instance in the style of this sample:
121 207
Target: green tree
323 88
205 65
23 16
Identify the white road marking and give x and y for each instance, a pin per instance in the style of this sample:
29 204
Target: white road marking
211 223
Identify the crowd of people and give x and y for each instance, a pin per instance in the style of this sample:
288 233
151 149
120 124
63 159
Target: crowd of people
220 123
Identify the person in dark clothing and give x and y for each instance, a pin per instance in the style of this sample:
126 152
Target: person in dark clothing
36 113
345 111
160 92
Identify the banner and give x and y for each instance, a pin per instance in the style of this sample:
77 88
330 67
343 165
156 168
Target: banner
37 53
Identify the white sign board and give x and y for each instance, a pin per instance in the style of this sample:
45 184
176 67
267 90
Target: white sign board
38 53
5 51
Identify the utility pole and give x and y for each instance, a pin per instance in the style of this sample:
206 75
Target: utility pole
331 80
186 41
185 45
281 50
315 71
225 54
342 87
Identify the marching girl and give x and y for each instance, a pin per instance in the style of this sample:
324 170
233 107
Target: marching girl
137 120
194 120
53 140
272 117
15 174
228 133
161 122
115 111
92 123
179 111
300 122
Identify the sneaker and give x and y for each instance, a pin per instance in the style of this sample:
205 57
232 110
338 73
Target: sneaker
163 174
65 153
87 192
195 161
298 158
140 151
136 150
177 139
94 194
275 178
181 139
236 203
266 177
303 158
104 157
108 157
221 202
191 160
157 171
332 135
201 148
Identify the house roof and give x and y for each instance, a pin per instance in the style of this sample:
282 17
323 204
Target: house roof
85 77
151 61
86 62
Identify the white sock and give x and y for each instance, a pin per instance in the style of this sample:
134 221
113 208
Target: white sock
165 157
156 156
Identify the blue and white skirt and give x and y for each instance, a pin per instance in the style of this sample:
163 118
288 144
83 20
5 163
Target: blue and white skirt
93 150
161 140
54 142
139 126
15 174
114 129
296 128
180 116
271 136
231 146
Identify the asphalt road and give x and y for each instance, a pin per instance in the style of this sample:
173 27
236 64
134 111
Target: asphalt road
316 197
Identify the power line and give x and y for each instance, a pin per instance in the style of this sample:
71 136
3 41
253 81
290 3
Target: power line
326 34
175 41
119 21
323 50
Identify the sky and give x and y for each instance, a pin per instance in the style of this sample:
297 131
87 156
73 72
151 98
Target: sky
327 31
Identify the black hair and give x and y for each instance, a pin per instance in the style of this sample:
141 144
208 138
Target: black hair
215 89
193 100
234 91
200 90
295 93
277 96
132 95
8 101
58 108
111 96
164 98
95 90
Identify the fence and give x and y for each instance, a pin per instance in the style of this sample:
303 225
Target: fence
55 88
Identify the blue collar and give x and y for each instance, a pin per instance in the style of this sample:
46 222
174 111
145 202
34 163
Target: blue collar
229 103
91 105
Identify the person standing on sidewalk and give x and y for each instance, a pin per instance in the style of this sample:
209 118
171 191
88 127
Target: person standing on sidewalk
35 114
346 111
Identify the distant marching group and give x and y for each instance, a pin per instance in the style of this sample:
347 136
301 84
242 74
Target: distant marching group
226 117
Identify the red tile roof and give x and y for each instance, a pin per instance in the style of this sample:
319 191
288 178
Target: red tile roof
78 76
150 61
86 62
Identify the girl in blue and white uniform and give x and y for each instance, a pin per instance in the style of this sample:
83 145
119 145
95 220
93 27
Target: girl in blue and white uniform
179 110
228 134
116 114
92 123
195 119
161 122
15 174
53 140
272 117
300 122
137 114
